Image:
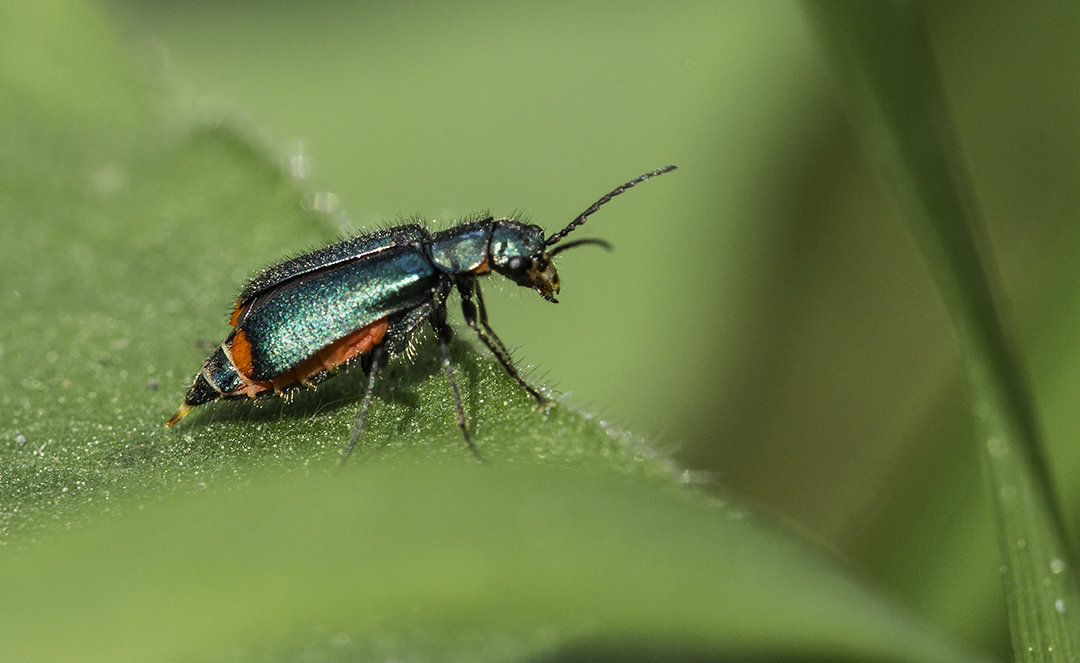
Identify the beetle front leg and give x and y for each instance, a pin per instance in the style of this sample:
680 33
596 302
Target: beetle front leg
443 333
491 339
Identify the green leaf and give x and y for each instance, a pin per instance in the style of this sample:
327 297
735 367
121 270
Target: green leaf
884 52
124 233
484 560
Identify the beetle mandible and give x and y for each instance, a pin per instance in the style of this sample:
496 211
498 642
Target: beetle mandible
299 321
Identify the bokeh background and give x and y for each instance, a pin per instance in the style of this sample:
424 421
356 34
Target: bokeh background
765 313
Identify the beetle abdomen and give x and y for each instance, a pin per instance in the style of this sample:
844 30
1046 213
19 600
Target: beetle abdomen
228 374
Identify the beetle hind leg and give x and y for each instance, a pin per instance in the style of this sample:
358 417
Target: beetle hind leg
372 363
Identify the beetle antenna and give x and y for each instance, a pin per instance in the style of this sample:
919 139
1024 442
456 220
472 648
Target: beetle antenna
595 206
579 242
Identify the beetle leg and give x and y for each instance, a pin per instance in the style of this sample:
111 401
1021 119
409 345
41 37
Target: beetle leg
444 334
371 366
490 338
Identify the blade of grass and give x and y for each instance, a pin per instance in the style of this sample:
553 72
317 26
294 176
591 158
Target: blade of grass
884 53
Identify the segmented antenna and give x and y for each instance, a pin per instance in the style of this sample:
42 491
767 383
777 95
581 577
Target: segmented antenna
578 242
595 206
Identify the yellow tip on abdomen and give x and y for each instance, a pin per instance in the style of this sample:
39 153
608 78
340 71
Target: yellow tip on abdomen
180 413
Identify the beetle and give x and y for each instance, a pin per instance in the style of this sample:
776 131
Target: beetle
296 323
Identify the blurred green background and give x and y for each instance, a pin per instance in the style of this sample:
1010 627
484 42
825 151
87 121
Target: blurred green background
765 313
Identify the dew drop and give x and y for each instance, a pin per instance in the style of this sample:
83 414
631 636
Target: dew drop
299 163
325 201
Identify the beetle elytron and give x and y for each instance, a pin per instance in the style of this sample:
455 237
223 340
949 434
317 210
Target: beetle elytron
299 321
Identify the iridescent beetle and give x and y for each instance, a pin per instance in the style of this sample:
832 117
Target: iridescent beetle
297 322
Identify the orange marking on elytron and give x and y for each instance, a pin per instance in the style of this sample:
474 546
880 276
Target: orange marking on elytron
337 353
237 310
239 353
240 349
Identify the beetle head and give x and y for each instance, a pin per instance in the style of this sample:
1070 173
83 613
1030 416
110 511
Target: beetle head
518 253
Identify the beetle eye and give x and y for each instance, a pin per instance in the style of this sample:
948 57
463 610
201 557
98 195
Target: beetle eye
515 264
